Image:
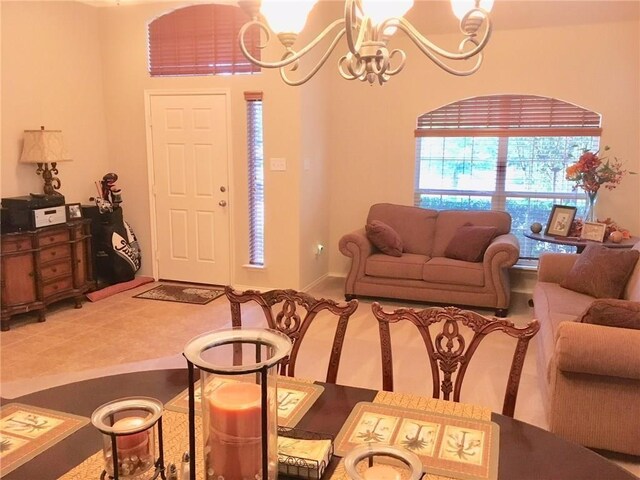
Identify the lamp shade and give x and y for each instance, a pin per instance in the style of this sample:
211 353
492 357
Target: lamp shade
44 146
461 7
286 16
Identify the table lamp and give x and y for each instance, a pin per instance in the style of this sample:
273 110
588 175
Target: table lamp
44 147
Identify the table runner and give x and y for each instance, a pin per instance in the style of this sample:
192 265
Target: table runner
26 431
176 430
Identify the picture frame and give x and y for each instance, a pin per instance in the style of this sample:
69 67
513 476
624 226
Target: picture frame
74 211
560 220
593 231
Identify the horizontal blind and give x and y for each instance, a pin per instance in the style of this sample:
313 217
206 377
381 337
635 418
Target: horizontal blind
509 115
255 171
201 40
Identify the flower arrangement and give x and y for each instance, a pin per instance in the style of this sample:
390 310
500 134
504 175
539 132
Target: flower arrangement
591 171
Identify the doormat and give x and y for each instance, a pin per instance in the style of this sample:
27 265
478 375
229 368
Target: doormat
182 294
27 431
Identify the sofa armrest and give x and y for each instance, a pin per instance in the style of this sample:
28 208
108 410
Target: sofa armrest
598 350
357 246
502 253
553 267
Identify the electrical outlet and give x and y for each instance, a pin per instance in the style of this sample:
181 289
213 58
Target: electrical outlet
278 164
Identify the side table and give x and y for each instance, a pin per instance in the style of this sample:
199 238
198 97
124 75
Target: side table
579 243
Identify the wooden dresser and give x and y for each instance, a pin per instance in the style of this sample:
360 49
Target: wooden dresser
43 266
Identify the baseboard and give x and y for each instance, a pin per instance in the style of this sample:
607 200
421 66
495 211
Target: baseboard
316 282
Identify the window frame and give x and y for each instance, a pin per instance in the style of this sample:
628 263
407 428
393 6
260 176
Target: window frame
503 117
255 173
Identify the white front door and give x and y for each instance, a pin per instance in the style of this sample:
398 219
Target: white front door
190 166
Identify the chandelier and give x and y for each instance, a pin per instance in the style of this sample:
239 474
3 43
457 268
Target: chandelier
368 25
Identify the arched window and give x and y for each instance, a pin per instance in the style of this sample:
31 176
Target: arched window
503 152
200 40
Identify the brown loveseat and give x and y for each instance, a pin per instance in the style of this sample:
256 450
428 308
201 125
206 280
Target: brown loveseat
422 272
589 373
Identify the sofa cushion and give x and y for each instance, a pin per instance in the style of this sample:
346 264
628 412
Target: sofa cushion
613 313
470 242
416 226
601 272
453 272
385 238
408 266
450 220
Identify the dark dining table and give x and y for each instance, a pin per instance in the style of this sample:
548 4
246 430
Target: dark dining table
526 451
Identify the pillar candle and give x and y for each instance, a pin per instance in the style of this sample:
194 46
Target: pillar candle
133 444
235 432
381 472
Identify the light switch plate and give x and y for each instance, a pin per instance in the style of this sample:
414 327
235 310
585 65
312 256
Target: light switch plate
278 164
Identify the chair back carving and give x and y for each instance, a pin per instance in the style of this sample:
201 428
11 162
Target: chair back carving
292 312
448 351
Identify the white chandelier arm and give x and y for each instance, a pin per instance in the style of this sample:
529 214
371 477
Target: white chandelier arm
314 70
352 22
403 58
295 55
429 48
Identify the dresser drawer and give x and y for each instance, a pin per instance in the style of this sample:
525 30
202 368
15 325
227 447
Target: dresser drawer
59 286
17 244
55 270
55 253
51 238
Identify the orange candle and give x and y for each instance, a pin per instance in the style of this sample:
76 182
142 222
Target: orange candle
381 472
133 444
235 432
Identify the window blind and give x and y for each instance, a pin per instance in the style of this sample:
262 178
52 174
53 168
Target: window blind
509 115
255 157
201 40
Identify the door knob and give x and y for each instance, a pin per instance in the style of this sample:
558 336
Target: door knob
222 203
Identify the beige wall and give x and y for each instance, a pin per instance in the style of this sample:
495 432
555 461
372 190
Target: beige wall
124 50
52 76
592 64
347 144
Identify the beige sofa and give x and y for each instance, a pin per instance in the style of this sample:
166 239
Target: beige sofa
589 374
423 273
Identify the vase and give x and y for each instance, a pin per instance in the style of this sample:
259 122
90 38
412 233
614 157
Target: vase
590 207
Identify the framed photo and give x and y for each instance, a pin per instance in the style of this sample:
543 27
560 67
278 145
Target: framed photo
593 231
73 211
560 220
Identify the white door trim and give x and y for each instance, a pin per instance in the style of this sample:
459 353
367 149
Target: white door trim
151 174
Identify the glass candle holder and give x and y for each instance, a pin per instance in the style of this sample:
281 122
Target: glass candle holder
238 400
409 463
129 437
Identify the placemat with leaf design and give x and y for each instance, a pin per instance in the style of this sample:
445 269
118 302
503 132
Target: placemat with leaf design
26 431
449 445
295 398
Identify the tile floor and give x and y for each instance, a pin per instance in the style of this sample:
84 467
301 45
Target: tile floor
122 333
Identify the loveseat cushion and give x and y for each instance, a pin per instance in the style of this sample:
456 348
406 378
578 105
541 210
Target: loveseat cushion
415 225
470 242
408 266
601 272
453 272
385 238
613 313
632 290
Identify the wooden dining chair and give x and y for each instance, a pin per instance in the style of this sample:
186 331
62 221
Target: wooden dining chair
292 312
448 352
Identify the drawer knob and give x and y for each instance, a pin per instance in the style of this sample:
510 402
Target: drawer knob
54 270
51 239
53 254
55 287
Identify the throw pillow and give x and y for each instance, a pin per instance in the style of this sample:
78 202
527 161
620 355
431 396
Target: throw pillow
470 242
601 272
613 313
385 238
